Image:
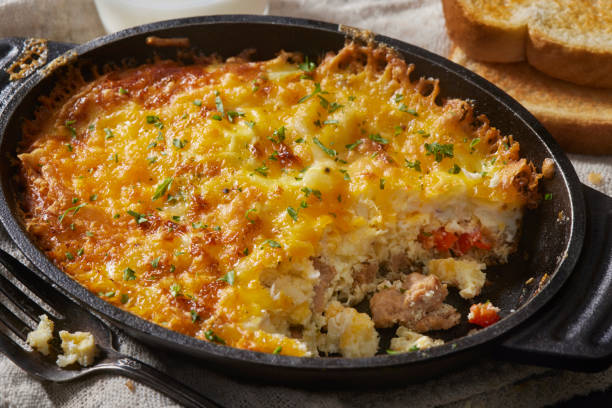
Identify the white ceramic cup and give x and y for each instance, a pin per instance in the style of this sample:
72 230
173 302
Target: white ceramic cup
119 14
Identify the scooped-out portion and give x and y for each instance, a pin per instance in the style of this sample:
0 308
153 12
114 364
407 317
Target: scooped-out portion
253 204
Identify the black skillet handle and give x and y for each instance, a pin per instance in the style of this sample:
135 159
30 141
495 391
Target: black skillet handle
574 331
14 49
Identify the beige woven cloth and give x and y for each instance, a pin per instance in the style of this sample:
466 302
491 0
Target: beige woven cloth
485 384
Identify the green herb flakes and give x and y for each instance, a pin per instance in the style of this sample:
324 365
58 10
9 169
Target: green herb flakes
439 151
378 138
69 256
292 213
73 209
162 188
128 274
194 316
330 152
413 165
277 350
175 289
229 277
211 336
354 145
197 102
272 243
140 218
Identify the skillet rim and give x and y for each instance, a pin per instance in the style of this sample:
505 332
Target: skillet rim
209 350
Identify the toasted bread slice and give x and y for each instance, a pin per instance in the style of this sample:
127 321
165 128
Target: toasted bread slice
579 117
566 39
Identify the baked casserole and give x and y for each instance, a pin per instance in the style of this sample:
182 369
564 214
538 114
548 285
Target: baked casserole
254 204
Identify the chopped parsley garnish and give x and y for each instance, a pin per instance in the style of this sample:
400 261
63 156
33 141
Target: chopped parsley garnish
423 133
116 215
277 350
439 151
263 170
404 108
246 215
217 228
392 352
80 252
414 348
354 145
175 289
279 135
217 117
250 123
330 122
413 165
197 102
124 298
178 143
93 197
151 159
347 177
176 218
381 184
194 316
474 142
69 256
307 191
231 115
172 268
219 103
162 188
199 225
316 91
330 107
73 209
229 277
272 243
351 98
128 274
300 140
123 91
548 196
107 294
140 218
75 200
304 204
211 336
378 138
307 65
398 130
292 213
398 98
155 262
327 150
455 169
89 234
155 121
69 126
109 133
69 147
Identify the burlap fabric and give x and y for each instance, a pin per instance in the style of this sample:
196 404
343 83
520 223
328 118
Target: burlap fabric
486 384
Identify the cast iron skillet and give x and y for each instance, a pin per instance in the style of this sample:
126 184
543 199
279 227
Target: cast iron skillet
562 322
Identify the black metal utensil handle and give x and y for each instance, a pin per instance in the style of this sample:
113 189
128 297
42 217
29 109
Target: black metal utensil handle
574 330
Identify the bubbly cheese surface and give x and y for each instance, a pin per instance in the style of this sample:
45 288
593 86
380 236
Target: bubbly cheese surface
198 196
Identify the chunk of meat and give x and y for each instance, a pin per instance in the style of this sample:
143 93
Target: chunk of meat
420 307
326 275
365 273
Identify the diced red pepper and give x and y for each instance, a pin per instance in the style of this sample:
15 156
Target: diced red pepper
444 240
483 314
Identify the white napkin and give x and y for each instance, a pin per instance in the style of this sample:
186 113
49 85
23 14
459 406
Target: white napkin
488 383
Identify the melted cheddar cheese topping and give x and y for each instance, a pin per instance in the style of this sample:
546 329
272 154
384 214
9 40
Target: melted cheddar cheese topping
197 196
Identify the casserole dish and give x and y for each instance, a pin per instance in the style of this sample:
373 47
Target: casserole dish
547 325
